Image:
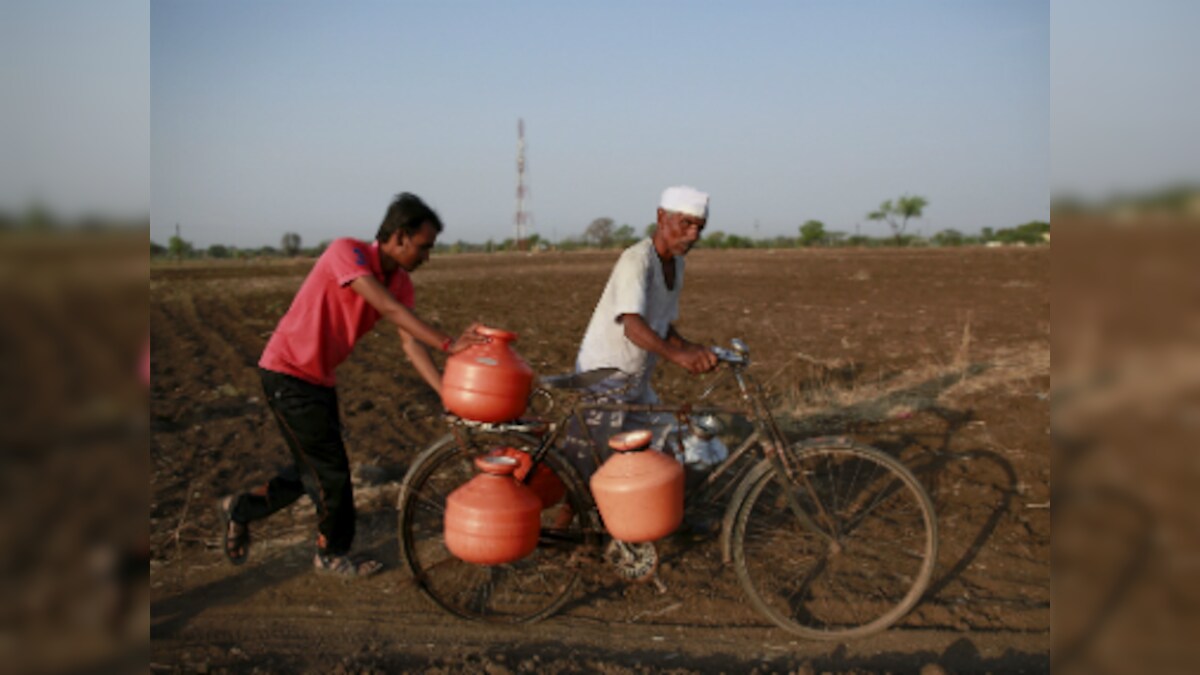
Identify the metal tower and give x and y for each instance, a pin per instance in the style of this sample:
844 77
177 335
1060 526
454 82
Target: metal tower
522 217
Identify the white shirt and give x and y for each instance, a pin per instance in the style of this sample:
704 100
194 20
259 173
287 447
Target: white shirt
636 286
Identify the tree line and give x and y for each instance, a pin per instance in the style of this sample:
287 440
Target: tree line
604 233
290 246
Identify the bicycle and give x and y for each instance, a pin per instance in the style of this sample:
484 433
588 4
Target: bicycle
830 539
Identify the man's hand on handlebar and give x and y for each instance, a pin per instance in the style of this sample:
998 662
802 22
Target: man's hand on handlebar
730 355
695 358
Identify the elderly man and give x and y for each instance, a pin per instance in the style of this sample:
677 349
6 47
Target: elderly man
633 327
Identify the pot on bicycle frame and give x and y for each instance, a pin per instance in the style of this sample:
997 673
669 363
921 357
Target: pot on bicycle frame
487 382
638 491
548 488
492 518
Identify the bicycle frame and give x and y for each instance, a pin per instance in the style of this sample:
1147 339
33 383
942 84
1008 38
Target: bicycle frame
767 433
783 498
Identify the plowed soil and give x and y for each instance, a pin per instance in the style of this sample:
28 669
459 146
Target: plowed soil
940 357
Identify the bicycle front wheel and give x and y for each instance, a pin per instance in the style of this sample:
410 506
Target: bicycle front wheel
525 590
844 551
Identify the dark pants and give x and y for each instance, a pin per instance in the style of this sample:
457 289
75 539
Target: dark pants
308 417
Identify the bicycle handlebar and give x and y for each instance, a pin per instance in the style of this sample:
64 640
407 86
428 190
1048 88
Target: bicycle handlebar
729 356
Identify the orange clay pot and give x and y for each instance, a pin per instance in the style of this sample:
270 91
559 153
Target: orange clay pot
638 491
492 518
487 382
548 488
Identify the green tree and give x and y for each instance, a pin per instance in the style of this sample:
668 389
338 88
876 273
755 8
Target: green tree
218 251
715 239
624 236
949 237
1031 232
290 244
600 232
650 229
157 250
738 241
812 232
178 248
897 214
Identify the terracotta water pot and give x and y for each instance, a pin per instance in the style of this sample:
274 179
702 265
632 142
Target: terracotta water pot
492 518
487 382
547 486
638 491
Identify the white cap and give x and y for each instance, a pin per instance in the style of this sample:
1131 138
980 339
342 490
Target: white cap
685 199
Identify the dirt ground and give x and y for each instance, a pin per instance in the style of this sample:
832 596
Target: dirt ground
938 356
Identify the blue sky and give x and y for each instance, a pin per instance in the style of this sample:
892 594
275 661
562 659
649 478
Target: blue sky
270 117
243 120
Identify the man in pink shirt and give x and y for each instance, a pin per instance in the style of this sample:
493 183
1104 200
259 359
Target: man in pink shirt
352 285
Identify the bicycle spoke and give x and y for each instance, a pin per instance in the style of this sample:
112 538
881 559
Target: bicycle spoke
872 570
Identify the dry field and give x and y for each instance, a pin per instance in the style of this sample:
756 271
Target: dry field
940 357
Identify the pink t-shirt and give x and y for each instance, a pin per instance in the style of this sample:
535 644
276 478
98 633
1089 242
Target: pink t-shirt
327 316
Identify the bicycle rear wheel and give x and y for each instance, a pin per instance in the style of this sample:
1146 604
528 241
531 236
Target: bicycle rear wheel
858 558
525 590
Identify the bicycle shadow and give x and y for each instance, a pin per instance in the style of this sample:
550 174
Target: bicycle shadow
1106 558
974 491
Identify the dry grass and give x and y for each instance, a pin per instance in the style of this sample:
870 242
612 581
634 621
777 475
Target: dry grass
813 387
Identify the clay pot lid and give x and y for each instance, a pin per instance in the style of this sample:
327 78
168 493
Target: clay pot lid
630 441
496 465
496 333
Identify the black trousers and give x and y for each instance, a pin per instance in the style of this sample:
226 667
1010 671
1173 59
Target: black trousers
308 417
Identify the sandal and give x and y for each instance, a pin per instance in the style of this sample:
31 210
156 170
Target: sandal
342 566
237 535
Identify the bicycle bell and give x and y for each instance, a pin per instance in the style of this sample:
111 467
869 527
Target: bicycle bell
740 347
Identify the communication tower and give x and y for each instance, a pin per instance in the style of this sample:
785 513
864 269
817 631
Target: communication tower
522 218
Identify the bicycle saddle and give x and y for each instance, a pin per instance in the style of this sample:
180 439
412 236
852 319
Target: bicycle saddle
578 381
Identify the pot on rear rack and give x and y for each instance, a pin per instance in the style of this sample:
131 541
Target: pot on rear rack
487 382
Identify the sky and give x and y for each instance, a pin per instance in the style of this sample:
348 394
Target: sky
240 121
307 117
